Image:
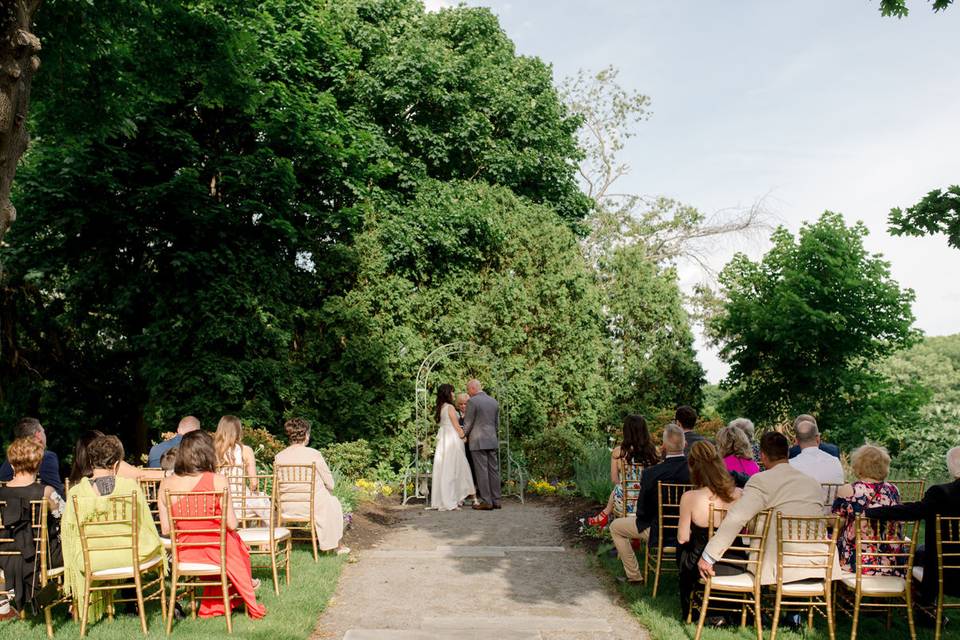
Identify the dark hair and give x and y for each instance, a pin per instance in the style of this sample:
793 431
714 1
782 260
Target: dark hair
169 459
81 462
195 454
297 429
686 416
26 427
104 452
774 445
637 446
444 396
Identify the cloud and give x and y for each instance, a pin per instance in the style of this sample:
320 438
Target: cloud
436 5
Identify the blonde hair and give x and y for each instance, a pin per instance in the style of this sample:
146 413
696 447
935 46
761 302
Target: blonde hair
25 455
229 434
731 441
870 461
707 470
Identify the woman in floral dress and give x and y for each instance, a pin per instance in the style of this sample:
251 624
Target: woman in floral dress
871 464
627 462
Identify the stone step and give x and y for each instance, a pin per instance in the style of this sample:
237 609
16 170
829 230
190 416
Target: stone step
452 634
458 551
503 624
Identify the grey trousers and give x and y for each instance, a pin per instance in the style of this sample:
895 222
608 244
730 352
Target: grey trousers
487 469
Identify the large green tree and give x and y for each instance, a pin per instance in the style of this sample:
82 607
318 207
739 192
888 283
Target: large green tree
803 327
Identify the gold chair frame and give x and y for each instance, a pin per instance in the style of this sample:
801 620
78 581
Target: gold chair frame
192 579
301 480
909 490
151 493
752 542
628 494
907 541
40 513
266 539
123 512
830 490
949 559
793 534
668 496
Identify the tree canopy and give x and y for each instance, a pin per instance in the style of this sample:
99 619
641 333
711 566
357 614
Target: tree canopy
937 212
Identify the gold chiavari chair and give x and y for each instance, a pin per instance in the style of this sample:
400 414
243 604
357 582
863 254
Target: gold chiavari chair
910 490
742 589
108 531
295 490
880 545
40 514
629 485
258 525
806 542
948 553
668 521
193 507
151 493
830 490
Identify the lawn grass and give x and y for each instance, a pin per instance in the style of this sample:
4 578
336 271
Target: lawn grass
661 616
291 616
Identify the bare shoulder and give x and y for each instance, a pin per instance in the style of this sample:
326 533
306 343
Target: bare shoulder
616 452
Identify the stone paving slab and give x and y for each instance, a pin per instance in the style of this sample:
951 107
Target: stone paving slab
495 625
394 634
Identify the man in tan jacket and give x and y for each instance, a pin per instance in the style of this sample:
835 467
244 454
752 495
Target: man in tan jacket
781 488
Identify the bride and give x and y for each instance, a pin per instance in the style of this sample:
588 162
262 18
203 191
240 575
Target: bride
452 481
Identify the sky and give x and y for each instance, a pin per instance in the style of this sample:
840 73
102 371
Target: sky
805 106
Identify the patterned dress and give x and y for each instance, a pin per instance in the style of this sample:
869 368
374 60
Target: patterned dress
629 473
867 495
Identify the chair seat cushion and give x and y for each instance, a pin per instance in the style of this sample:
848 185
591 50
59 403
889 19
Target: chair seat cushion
874 584
165 542
53 573
198 567
737 581
918 574
127 572
811 587
261 535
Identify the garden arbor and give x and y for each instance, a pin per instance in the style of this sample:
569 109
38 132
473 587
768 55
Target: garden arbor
478 358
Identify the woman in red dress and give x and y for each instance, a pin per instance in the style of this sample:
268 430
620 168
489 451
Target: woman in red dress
194 470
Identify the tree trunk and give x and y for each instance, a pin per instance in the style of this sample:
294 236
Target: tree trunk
18 62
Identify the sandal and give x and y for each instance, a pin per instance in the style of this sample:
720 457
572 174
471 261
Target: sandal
599 520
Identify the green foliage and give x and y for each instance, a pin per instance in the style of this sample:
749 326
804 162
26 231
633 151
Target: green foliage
344 490
900 9
264 444
802 328
552 453
591 472
353 459
937 212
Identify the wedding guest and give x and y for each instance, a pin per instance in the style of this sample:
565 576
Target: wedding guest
816 463
328 513
187 424
20 569
870 464
686 417
168 461
635 452
104 453
82 468
942 500
746 425
49 473
644 526
228 443
462 400
714 486
781 488
195 470
734 448
826 447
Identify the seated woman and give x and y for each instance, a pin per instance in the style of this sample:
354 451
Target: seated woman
871 464
81 467
195 470
713 485
236 460
104 455
635 452
327 511
21 571
734 448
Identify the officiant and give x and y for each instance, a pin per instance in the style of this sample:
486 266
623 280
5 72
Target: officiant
462 399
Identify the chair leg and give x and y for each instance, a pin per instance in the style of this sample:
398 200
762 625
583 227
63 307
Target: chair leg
225 588
656 575
313 539
273 566
776 615
757 619
48 618
140 606
85 608
173 601
830 614
163 593
856 615
289 553
703 610
909 599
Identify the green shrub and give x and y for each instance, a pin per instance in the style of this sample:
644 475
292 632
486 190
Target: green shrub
264 444
592 472
344 490
551 453
353 459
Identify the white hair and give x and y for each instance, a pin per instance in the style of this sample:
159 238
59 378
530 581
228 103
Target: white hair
745 425
953 462
673 438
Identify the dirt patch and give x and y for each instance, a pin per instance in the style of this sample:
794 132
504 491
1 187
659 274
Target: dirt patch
372 521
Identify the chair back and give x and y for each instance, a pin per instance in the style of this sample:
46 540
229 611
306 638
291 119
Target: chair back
806 542
948 547
748 547
885 545
668 511
830 490
254 505
107 530
630 474
199 520
910 490
151 493
234 475
295 486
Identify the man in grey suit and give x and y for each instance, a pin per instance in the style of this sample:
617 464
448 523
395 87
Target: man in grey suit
480 426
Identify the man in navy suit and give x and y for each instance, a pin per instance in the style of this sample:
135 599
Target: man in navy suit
826 447
49 472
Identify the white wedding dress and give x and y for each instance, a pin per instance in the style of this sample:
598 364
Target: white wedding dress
452 481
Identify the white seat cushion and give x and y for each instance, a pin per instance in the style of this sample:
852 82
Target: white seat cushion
296 517
165 542
261 535
874 584
126 572
198 567
739 581
811 587
918 574
53 573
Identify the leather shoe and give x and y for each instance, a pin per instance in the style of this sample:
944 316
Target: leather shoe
497 506
483 506
624 580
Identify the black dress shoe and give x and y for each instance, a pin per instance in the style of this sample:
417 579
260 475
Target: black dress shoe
497 506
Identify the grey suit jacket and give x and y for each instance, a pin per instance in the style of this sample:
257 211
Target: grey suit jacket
482 422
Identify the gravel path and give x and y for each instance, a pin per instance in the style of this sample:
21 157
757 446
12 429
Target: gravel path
474 574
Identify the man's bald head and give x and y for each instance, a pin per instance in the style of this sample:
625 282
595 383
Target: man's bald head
188 424
807 434
804 417
673 440
474 387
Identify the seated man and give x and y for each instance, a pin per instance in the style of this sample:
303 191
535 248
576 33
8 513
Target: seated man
826 447
816 463
942 500
782 488
49 473
187 424
673 469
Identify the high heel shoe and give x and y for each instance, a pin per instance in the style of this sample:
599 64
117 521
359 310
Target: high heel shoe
599 520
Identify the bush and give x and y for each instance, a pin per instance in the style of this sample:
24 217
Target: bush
344 490
353 459
551 453
264 444
592 473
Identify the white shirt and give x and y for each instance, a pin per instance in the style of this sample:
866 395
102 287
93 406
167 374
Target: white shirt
819 465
